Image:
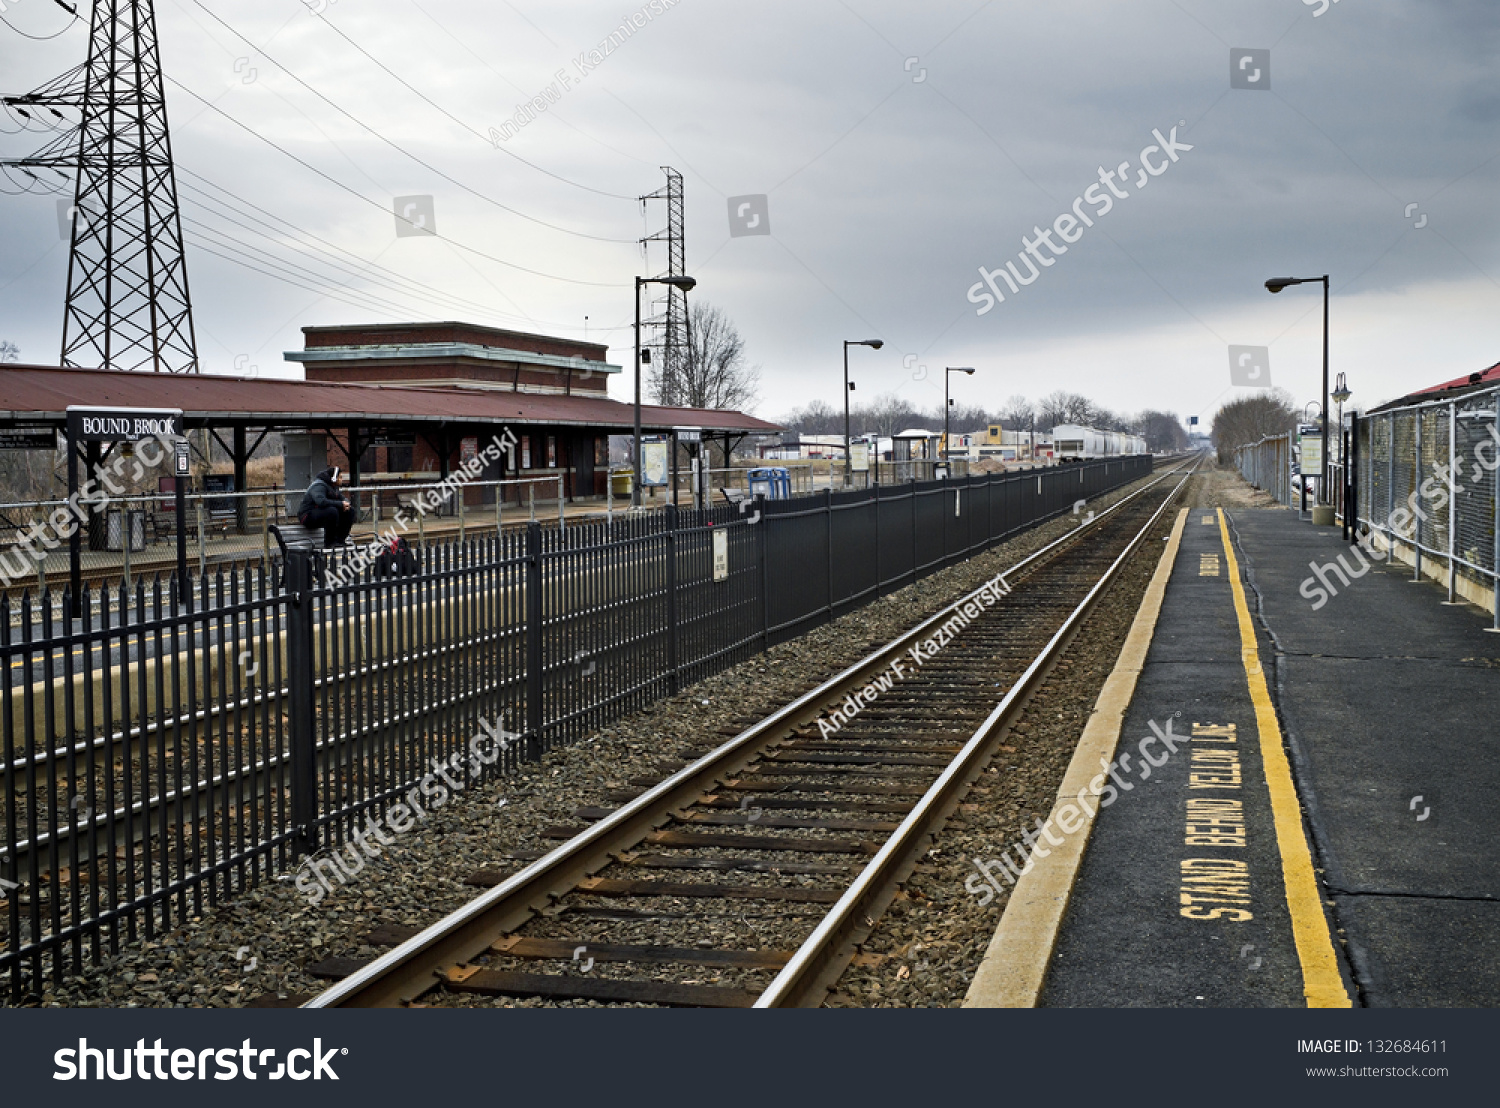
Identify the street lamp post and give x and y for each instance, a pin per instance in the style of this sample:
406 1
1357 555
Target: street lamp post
1276 284
947 403
686 284
873 344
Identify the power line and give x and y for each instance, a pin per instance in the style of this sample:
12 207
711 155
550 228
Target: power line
394 282
524 94
434 104
402 150
229 242
381 207
392 278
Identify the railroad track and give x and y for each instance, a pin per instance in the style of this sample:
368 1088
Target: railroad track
806 821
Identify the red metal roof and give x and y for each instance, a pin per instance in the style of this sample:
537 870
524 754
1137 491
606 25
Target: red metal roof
32 393
1489 376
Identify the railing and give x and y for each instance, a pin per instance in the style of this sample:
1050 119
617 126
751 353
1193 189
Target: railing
160 755
1423 479
135 534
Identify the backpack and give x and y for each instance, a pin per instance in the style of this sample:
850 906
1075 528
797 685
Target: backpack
397 560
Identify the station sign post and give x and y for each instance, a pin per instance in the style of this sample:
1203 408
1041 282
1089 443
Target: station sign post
115 425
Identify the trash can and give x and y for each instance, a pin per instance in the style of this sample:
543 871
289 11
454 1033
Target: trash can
772 482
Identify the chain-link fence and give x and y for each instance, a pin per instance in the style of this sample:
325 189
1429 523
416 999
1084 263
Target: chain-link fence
1424 480
1268 465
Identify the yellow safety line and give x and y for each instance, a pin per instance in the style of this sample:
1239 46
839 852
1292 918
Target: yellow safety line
1322 984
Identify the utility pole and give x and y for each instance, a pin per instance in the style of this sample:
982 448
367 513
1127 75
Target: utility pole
127 305
673 322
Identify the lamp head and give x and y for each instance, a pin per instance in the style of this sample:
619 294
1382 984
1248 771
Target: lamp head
686 284
1276 284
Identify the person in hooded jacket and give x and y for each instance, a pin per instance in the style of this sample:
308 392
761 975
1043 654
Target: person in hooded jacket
323 505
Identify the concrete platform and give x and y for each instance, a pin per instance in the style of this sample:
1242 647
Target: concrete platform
1327 830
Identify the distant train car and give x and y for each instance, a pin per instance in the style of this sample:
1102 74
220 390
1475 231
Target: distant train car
1076 444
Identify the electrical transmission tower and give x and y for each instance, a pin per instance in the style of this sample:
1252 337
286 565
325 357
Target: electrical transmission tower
672 320
127 305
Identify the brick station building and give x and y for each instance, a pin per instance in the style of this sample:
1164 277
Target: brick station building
567 433
394 403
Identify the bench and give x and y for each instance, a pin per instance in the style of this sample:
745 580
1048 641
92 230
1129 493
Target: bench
294 536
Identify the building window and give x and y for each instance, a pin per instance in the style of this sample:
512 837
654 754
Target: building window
551 451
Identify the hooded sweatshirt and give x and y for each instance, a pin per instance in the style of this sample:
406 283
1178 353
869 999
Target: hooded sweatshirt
321 493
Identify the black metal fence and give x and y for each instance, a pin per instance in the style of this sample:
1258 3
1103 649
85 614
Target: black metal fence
158 755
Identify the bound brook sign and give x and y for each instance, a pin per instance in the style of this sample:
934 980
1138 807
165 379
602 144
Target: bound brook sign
123 424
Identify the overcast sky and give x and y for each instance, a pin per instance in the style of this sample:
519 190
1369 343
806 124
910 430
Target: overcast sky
900 147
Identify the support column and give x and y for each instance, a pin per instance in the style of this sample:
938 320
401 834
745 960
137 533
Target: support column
240 457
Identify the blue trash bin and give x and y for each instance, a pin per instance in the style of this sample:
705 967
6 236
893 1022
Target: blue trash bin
772 482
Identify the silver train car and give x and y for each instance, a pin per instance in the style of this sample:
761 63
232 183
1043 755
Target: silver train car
1072 443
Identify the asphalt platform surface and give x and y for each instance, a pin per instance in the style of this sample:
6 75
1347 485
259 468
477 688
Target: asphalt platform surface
1389 705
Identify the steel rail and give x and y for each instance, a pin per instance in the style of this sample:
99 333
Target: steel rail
412 968
817 964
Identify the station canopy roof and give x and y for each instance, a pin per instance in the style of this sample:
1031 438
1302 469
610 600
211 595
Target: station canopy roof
32 395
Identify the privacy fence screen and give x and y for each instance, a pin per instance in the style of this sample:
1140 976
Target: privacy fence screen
162 752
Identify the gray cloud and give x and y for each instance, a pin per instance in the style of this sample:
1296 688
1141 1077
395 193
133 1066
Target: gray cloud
886 193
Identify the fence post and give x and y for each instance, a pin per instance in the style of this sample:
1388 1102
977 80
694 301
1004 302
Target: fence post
534 652
671 511
912 485
828 519
879 590
765 572
1390 478
301 706
1416 483
202 543
1452 502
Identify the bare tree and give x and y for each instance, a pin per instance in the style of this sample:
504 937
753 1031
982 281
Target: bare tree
1250 419
963 418
1017 414
818 418
713 373
886 416
1163 431
9 351
1064 407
